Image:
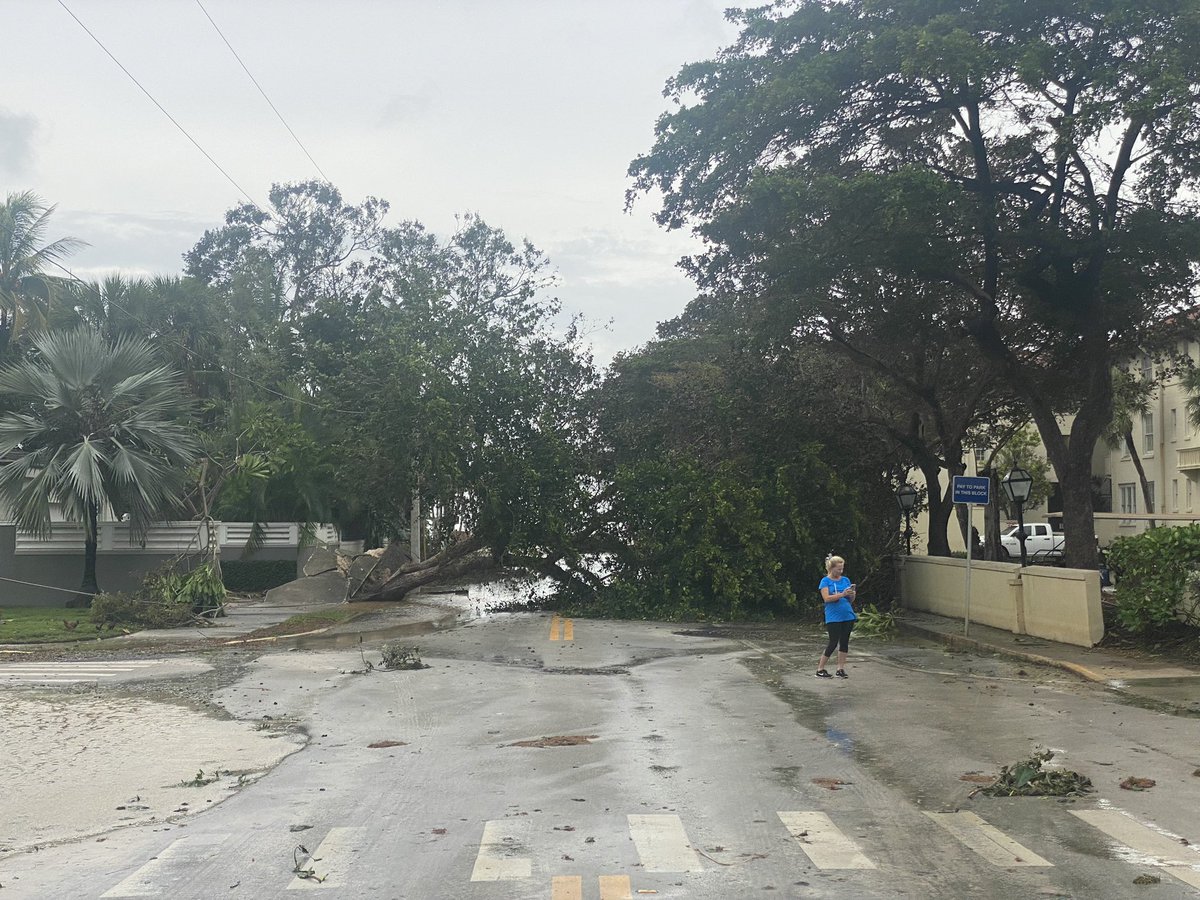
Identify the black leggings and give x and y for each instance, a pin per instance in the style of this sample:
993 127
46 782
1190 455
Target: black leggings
839 636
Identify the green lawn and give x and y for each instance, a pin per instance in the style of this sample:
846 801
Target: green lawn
43 624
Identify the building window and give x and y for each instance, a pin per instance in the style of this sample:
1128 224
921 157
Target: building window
1147 367
1173 425
1150 502
1128 498
1147 432
1187 493
1174 495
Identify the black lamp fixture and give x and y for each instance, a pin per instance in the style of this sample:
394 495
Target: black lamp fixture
1017 486
906 499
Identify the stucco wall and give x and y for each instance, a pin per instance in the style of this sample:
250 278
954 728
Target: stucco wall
1042 601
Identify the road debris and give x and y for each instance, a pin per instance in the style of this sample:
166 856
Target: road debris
1028 779
379 745
397 657
1147 879
561 740
1133 783
833 784
298 865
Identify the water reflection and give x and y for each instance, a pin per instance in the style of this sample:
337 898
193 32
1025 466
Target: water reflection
841 740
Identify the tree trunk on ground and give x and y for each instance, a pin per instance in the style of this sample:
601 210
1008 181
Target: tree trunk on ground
455 561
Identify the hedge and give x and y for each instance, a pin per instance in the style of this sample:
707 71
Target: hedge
254 575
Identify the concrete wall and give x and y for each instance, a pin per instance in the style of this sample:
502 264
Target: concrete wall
1047 602
55 572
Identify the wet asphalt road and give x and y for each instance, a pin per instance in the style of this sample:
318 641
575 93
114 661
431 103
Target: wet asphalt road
683 763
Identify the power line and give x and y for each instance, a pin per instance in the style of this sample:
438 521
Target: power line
245 194
299 143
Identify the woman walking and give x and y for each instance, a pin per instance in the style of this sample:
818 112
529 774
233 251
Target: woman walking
838 593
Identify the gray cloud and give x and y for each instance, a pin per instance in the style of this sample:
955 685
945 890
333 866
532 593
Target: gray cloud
402 108
16 142
134 244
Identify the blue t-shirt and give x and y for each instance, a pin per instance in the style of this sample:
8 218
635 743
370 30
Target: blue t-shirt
839 610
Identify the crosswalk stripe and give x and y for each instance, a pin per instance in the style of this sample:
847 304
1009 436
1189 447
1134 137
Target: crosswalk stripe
988 841
615 887
568 629
1138 837
566 887
1186 875
555 628
173 867
823 842
662 844
502 839
331 860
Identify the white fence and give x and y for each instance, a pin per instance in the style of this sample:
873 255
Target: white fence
170 537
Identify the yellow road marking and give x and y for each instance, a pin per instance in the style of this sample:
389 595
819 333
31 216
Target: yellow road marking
566 887
615 887
562 629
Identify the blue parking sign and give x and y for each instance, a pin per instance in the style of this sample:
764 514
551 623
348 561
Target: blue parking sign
972 489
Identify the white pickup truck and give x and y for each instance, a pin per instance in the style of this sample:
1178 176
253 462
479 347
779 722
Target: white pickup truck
1041 541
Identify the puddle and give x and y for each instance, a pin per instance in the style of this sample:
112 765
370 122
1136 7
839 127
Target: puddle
77 766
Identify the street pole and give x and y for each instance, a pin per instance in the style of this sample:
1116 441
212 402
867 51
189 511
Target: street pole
1021 531
908 532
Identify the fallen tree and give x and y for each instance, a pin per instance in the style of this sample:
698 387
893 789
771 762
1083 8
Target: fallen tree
460 559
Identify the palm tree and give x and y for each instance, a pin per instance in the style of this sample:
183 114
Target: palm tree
26 290
102 425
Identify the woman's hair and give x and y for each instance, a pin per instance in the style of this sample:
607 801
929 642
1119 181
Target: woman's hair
831 561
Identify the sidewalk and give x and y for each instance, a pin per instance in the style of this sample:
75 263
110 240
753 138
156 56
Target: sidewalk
1143 679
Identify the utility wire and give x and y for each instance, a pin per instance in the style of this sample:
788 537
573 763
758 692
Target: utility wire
245 194
278 114
323 407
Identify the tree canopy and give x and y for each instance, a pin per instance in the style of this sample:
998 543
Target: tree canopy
1031 166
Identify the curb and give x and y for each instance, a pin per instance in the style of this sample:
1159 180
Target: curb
969 643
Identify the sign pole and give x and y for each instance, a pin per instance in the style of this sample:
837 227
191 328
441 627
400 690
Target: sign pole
970 490
970 553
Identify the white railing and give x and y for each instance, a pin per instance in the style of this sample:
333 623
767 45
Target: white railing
167 537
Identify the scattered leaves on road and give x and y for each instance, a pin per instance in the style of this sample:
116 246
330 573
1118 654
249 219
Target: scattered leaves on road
1132 783
977 778
378 745
1147 879
1028 779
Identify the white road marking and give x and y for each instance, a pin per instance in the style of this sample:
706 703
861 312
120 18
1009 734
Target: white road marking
1186 875
497 859
172 868
1140 838
988 841
662 844
67 672
331 860
823 842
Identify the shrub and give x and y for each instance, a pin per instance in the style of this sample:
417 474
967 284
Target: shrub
1153 570
256 575
166 598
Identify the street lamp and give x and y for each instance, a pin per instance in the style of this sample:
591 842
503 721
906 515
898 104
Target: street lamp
906 498
1017 484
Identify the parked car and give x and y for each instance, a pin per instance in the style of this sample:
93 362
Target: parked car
1041 542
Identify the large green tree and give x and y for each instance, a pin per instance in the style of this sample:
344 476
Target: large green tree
1035 163
101 425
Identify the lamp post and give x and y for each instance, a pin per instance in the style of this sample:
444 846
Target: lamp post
1017 484
906 498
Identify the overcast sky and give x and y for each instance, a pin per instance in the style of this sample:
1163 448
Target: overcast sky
525 111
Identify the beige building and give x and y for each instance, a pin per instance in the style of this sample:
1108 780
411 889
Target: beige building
1168 446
